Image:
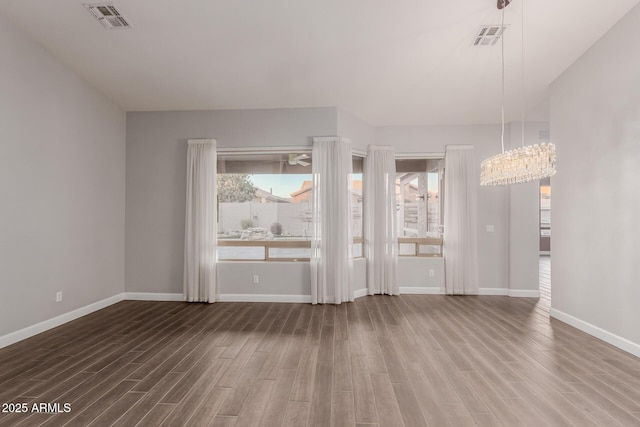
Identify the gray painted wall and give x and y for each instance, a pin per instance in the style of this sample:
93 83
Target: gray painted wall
524 240
62 187
595 123
276 278
413 272
359 132
524 216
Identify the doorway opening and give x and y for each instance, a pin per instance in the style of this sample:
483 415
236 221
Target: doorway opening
545 239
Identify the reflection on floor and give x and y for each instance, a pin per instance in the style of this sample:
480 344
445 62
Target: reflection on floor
545 279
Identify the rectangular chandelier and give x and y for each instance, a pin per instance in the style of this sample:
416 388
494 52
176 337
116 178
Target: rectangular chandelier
519 165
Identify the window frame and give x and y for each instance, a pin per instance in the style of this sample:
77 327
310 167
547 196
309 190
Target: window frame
265 244
268 244
426 241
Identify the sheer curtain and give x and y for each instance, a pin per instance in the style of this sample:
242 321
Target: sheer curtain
331 252
200 222
380 232
460 221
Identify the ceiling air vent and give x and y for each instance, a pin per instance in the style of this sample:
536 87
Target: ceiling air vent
107 15
488 35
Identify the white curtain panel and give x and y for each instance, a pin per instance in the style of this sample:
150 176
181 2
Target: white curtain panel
380 231
331 250
460 221
201 222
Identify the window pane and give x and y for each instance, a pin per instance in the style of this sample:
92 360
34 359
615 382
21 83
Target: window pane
264 197
407 249
357 193
433 204
418 190
357 250
291 253
260 206
356 201
231 252
429 250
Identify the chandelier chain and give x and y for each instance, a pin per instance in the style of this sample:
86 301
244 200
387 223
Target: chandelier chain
502 80
522 71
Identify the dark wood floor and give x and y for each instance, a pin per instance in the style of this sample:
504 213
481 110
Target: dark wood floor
412 360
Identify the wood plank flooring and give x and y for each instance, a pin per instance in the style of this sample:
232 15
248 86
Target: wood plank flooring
413 360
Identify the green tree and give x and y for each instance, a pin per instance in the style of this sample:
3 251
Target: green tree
235 187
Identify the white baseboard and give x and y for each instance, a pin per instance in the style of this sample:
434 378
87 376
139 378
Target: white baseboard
493 291
611 338
524 293
420 290
263 298
433 290
144 296
148 296
151 296
32 330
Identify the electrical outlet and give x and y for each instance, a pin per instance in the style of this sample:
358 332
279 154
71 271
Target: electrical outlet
432 273
490 229
58 296
256 279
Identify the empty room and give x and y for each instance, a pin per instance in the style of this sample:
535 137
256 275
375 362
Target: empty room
306 213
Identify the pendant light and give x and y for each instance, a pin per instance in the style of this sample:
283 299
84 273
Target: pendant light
524 164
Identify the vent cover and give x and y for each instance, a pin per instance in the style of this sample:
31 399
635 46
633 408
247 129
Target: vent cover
107 15
488 35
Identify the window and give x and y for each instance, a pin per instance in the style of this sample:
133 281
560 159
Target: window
356 200
419 206
264 206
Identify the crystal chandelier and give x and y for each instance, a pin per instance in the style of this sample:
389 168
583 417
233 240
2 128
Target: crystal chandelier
523 164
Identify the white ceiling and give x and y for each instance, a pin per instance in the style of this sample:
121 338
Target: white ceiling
389 62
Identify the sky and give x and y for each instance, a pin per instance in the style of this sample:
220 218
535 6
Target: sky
280 185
